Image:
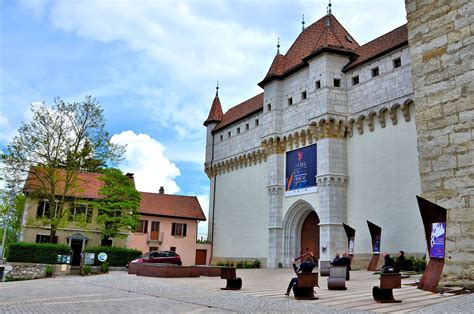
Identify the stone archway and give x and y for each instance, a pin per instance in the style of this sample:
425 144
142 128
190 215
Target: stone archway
300 212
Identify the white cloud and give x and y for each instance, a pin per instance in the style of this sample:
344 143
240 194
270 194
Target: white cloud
145 157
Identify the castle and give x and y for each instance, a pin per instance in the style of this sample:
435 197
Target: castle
331 140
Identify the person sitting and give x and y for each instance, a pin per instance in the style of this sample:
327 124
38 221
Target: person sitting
336 258
401 257
307 266
388 263
344 261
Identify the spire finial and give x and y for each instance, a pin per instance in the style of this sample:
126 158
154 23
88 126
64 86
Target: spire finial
302 23
329 8
217 89
278 46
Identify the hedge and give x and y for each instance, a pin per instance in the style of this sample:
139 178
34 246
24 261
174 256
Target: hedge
116 256
41 253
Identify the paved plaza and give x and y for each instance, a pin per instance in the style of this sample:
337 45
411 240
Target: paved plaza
262 291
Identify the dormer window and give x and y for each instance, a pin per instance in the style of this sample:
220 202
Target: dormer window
318 84
290 101
355 80
303 95
269 107
375 72
337 82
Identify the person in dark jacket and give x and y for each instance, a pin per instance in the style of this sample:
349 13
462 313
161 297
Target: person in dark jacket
388 263
401 257
306 266
344 261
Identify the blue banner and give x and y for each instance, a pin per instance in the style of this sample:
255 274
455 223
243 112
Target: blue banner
438 233
301 170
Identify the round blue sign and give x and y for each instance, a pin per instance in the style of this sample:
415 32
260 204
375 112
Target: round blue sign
102 257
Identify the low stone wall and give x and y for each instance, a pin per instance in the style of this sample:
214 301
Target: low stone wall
25 271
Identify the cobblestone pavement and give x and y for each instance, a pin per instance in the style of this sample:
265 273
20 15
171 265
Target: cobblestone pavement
119 292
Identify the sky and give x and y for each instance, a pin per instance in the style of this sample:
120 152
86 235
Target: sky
153 67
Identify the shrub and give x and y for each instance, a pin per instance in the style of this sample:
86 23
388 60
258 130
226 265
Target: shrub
419 264
256 263
115 256
41 253
87 270
105 267
48 271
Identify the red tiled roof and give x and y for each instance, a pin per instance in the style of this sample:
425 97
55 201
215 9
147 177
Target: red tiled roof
87 185
379 46
215 114
241 111
171 206
327 32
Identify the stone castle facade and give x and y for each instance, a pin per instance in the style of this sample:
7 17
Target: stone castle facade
442 52
356 103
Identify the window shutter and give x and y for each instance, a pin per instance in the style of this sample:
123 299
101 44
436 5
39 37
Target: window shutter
145 227
184 230
173 229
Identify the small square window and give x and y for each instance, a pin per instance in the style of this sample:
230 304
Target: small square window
256 122
247 126
238 130
229 134
337 82
269 107
304 95
355 80
318 84
375 72
222 137
173 248
290 101
397 63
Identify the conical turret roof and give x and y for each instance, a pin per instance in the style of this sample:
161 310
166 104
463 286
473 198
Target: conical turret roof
215 114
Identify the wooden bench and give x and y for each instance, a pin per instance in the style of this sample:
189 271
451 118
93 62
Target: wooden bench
304 288
324 268
337 278
233 282
388 282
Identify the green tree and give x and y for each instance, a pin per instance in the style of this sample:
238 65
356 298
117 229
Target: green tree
50 151
11 219
118 207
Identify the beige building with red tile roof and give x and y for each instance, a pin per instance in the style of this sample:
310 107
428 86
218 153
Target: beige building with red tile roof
331 140
167 222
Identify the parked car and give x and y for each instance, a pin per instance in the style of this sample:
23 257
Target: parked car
166 257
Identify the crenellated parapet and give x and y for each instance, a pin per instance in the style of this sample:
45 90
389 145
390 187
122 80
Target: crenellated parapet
332 180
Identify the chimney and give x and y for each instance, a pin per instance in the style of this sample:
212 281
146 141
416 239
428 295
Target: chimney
162 190
130 176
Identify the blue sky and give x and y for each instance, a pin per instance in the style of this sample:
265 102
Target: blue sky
153 66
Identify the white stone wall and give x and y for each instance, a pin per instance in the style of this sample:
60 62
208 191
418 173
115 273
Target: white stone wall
241 214
383 184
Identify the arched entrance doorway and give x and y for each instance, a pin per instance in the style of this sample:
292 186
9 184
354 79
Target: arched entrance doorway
300 231
310 234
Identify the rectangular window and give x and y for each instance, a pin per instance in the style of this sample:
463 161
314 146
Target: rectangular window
397 63
222 137
80 212
355 80
229 134
303 95
269 107
337 82
290 101
108 242
153 248
256 122
247 126
375 72
155 230
318 84
42 238
173 249
142 226
238 130
178 229
42 209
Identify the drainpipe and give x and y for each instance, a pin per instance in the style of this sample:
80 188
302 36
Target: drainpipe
213 203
